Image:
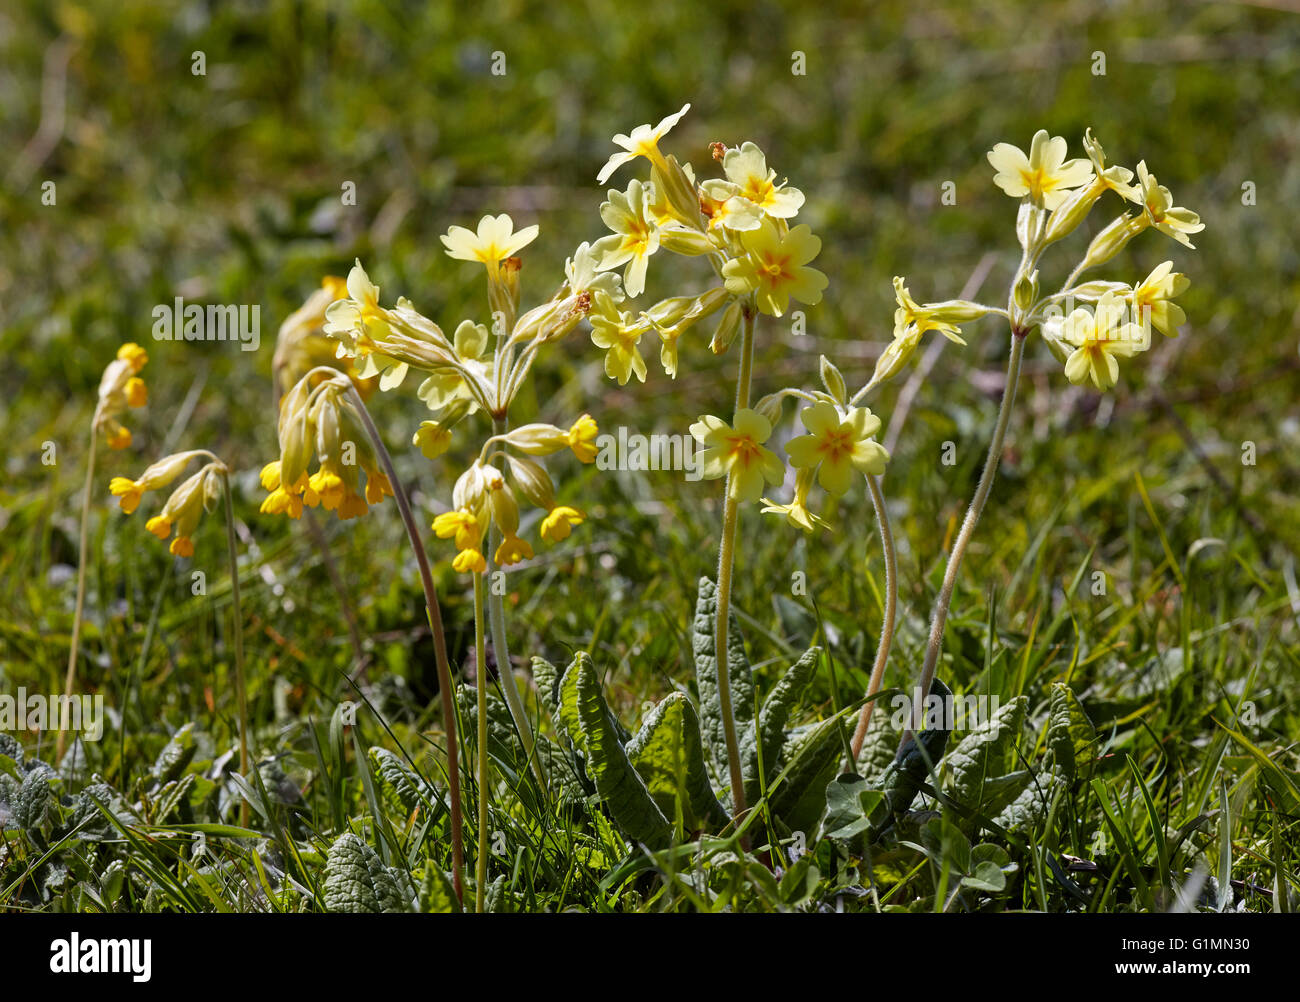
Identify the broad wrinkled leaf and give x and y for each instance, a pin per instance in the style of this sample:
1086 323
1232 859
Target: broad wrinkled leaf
356 879
982 754
781 701
703 644
618 784
808 763
1071 738
175 756
668 754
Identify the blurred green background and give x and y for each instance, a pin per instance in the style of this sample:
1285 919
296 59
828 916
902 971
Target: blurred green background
225 187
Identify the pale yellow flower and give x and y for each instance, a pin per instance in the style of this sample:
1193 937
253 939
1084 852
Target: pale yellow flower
1099 337
751 181
1153 297
494 242
1171 220
1044 175
643 142
775 267
619 335
838 445
738 453
797 512
635 239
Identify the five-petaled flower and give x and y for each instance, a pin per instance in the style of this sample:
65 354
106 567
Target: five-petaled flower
1171 220
644 142
838 443
495 241
738 453
775 268
1044 175
1099 337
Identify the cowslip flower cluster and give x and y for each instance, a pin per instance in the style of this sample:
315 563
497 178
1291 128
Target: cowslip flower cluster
739 223
120 388
486 494
301 343
317 419
1056 195
187 503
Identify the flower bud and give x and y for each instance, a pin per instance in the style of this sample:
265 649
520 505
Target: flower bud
538 439
687 242
534 482
727 329
833 380
1110 241
678 190
1025 293
1067 216
896 356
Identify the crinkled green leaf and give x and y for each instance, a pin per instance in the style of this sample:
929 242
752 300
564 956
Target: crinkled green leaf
176 755
783 698
668 754
400 787
547 678
703 643
981 755
1071 738
809 762
356 879
33 802
436 895
618 784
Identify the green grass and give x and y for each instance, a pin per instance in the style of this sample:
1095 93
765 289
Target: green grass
225 188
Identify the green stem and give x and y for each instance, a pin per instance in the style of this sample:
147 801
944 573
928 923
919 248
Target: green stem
497 621
935 644
434 612
71 679
480 661
726 561
887 627
241 692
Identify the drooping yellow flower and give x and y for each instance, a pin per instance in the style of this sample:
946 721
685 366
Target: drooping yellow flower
582 438
494 241
120 388
462 525
559 522
1044 175
924 318
512 550
1171 220
1099 337
617 333
775 267
738 453
643 142
183 510
1153 299
838 444
635 237
797 513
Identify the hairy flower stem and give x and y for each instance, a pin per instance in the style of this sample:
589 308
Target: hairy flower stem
935 643
481 681
241 692
887 627
726 560
71 678
434 612
497 619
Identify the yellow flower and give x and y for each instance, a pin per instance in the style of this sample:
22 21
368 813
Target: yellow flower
160 474
1171 220
133 355
775 266
619 335
838 444
1044 175
738 453
469 561
796 512
495 241
924 318
119 389
560 522
512 550
643 142
137 394
185 507
635 238
127 492
753 184
119 436
460 524
1116 178
432 438
1098 338
1153 298
357 320
582 438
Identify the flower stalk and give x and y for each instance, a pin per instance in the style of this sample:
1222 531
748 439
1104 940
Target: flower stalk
887 627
